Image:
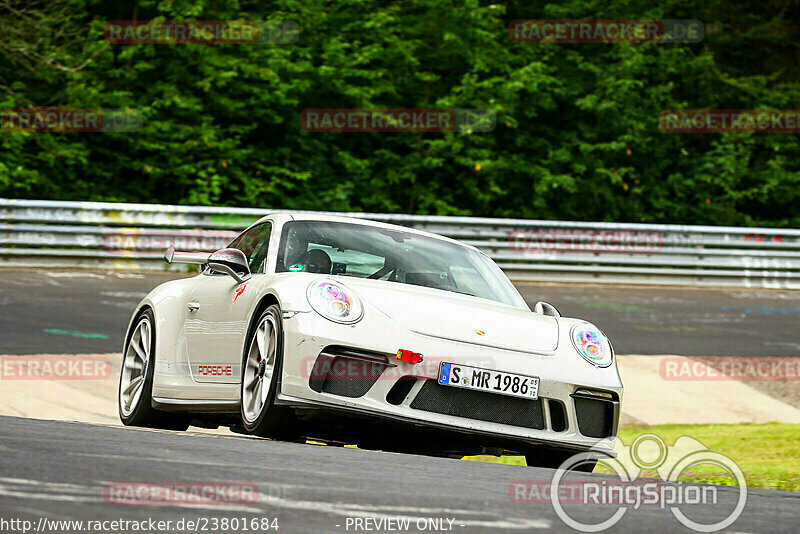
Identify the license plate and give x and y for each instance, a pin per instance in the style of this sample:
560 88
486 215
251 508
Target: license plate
465 376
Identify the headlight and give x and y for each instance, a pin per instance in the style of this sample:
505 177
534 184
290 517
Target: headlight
334 302
591 344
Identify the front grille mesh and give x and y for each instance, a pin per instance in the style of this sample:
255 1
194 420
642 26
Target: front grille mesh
595 417
350 377
479 405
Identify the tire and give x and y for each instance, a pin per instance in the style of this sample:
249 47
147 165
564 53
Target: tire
262 363
135 394
553 458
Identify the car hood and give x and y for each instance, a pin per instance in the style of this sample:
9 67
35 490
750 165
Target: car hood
458 317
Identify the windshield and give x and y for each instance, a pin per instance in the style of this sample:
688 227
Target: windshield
351 249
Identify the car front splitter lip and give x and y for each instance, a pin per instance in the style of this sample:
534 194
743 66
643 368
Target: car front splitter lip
294 402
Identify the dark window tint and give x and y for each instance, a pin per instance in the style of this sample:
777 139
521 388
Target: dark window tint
254 243
392 255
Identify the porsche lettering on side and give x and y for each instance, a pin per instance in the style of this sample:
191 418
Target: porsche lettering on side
344 330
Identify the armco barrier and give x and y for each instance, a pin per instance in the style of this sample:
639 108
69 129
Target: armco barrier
102 235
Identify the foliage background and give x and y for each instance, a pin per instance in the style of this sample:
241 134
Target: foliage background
577 132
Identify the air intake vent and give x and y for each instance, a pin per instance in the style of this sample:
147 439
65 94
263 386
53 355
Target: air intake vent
347 372
400 390
595 414
558 419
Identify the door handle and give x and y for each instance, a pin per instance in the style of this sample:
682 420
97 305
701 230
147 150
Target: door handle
194 306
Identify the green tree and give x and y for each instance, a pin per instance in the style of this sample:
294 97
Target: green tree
576 137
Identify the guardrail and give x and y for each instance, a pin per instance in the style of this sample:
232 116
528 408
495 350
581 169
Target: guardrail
101 235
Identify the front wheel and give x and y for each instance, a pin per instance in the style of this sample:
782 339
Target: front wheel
261 368
136 380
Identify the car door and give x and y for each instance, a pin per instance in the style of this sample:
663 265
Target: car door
217 318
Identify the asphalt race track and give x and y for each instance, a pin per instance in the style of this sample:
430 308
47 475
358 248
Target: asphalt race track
58 471
61 470
68 312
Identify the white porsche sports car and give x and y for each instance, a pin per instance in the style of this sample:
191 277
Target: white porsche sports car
344 330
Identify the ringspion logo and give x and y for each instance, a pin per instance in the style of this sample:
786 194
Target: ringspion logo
687 502
647 491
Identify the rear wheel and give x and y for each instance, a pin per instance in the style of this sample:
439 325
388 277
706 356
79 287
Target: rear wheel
136 380
261 368
553 458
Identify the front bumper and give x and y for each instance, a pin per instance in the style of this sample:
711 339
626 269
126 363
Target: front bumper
567 384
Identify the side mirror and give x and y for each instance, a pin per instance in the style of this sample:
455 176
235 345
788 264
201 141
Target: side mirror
231 261
543 308
195 258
